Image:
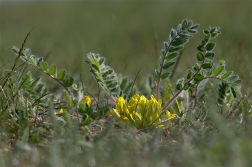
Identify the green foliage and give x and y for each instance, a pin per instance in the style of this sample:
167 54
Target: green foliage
104 75
200 73
33 86
73 103
206 71
223 90
51 71
107 79
176 41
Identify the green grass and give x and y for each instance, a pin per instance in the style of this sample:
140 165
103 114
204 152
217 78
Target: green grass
129 34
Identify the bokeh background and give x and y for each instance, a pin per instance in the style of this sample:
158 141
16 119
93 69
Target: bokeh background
129 34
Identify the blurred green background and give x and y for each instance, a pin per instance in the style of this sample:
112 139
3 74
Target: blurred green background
129 34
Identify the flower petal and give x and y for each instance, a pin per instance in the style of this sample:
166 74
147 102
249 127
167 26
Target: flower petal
87 100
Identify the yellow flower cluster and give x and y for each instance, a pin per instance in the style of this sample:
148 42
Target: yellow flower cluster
140 112
87 100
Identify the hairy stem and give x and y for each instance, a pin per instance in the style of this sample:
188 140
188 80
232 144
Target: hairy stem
196 89
68 91
162 64
178 93
113 98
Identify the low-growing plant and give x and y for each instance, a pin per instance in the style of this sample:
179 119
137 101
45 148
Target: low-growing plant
73 93
136 110
199 75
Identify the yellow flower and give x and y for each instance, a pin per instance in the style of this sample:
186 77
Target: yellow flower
170 115
139 112
121 112
61 111
87 100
